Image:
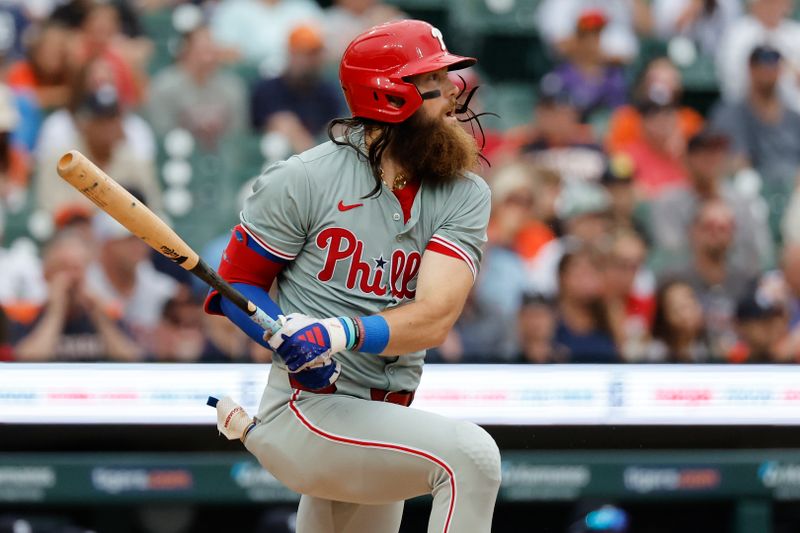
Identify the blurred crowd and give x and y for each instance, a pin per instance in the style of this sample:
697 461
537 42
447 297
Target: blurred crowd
627 225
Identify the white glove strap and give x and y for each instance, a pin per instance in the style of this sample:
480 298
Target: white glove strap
337 334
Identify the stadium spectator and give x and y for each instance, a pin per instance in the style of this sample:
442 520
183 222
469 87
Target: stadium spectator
557 140
556 21
499 289
617 180
707 164
764 131
584 326
347 18
196 95
629 294
45 72
503 279
123 274
718 283
584 210
768 23
299 103
74 324
101 137
547 188
524 204
701 21
658 155
178 337
100 36
659 76
59 129
593 84
536 331
73 13
761 327
259 29
679 331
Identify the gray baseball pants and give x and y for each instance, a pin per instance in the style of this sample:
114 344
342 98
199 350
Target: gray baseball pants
355 461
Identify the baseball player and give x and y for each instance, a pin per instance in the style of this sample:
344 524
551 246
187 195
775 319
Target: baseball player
374 239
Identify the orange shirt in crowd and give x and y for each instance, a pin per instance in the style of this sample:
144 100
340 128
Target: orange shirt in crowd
625 126
532 238
21 76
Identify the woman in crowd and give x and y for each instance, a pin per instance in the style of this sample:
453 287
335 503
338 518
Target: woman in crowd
678 327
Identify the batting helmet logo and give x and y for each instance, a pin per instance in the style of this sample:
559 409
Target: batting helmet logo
376 65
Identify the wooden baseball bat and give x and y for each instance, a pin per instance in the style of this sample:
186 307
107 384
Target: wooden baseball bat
111 197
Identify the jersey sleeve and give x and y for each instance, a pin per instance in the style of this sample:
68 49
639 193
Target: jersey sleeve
278 214
461 233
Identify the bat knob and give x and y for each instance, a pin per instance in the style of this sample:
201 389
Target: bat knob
212 401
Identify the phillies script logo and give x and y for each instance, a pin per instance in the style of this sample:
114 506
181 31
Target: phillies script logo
370 277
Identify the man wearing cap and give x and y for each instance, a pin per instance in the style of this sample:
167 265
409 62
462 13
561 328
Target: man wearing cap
593 83
707 162
299 103
626 18
556 139
761 326
764 130
769 22
99 122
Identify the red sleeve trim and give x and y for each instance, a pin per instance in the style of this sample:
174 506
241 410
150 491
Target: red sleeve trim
242 264
443 246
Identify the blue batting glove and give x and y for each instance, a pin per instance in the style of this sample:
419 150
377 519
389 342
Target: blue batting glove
319 377
304 342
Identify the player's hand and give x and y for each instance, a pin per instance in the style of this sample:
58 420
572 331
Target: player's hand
304 342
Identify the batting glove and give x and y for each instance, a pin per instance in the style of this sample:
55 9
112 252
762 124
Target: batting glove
304 342
319 377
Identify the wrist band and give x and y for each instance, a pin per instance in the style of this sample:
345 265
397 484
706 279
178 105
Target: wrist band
374 334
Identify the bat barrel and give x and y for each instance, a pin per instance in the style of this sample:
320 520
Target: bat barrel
111 197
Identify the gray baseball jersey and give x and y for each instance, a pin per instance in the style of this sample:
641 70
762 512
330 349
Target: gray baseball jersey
349 255
355 461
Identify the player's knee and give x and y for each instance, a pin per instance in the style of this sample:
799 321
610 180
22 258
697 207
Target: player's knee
481 452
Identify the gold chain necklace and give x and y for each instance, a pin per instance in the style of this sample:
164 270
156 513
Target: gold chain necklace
400 180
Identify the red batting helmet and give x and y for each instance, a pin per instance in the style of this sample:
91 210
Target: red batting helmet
376 64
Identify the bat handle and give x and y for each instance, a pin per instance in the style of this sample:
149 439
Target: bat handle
262 319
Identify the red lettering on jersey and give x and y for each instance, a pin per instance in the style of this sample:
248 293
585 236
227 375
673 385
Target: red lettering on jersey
342 245
332 239
359 268
404 270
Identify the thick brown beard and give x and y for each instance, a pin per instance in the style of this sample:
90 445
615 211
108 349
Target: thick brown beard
433 151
